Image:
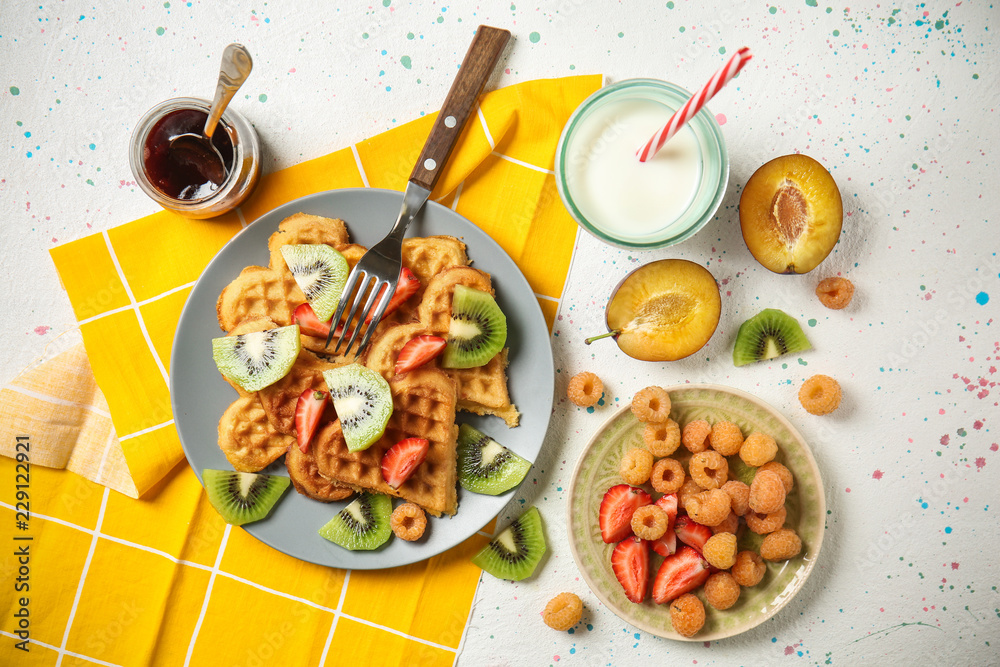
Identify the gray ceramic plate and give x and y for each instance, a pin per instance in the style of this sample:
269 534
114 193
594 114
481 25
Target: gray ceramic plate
597 471
199 394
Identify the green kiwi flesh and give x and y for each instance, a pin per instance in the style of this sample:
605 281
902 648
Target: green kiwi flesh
768 334
486 466
320 272
258 359
478 329
516 551
363 525
242 497
363 403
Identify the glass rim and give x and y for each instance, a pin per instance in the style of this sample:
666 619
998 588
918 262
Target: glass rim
703 117
229 120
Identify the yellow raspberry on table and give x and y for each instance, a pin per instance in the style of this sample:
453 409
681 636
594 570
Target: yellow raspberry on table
781 545
636 466
695 436
835 293
585 389
767 493
720 550
726 438
662 439
758 449
749 568
820 395
721 590
709 468
651 405
687 615
563 611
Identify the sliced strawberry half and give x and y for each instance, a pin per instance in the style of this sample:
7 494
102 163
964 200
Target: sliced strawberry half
418 351
667 544
406 287
691 533
308 411
616 511
402 459
681 573
309 324
630 561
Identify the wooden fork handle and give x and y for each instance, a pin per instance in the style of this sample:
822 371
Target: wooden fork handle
479 62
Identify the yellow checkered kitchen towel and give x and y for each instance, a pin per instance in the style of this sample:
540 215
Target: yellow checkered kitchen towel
106 579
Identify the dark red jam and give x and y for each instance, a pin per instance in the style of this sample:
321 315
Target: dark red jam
179 176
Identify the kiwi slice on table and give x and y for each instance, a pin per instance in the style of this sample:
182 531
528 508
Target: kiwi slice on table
478 329
257 359
363 403
363 525
242 497
486 466
515 552
321 273
768 334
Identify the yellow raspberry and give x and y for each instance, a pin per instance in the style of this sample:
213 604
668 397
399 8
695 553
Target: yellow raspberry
651 405
762 524
739 495
820 395
649 522
695 436
835 293
709 468
585 389
636 466
709 508
726 438
782 544
687 615
688 489
563 611
749 568
667 476
767 493
784 473
720 550
662 439
758 449
729 525
408 522
721 590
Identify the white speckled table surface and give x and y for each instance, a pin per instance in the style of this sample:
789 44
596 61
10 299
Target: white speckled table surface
897 101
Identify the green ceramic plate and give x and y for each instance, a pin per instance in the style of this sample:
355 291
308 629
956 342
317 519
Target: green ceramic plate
597 471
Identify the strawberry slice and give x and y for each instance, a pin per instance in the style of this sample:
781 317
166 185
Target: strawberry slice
667 544
402 459
406 287
691 533
309 324
418 351
681 573
308 411
630 561
616 511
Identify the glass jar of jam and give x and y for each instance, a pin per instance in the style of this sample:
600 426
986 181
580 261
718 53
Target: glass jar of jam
181 186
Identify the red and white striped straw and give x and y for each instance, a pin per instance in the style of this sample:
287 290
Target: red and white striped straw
694 105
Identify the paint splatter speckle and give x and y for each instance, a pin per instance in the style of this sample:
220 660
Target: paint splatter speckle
534 37
42 330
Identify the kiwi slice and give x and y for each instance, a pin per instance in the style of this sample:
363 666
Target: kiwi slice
363 525
363 403
486 466
478 329
257 359
515 552
768 334
321 273
242 497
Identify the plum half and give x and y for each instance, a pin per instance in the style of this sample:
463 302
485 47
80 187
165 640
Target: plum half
791 214
663 311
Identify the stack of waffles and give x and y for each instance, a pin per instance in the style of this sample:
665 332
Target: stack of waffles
259 428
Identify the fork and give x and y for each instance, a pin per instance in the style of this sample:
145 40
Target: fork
377 274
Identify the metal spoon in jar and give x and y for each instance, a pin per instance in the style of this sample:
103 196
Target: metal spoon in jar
197 150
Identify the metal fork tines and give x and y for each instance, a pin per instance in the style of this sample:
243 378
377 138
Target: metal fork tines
377 273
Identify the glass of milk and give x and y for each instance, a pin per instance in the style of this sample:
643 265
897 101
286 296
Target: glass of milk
633 204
